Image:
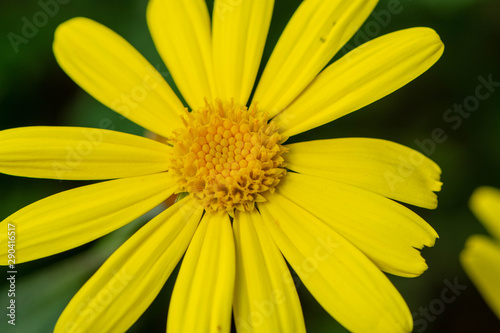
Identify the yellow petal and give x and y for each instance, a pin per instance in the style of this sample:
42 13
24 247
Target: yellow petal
203 293
385 231
116 74
317 30
485 203
342 279
69 219
481 261
126 284
361 77
265 298
380 166
239 35
181 32
78 153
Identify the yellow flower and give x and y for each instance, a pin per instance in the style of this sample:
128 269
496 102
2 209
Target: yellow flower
481 256
324 205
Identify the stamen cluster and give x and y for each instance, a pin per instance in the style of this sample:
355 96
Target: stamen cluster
227 156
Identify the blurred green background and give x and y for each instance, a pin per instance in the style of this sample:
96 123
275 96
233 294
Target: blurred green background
35 91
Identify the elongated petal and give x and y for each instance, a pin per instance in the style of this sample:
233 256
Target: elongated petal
361 77
181 32
69 219
317 30
481 261
116 74
78 153
387 232
342 279
485 203
265 298
126 284
380 166
239 35
203 293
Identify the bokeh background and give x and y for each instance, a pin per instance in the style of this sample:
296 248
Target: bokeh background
35 91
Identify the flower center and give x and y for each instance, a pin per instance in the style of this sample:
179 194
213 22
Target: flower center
227 156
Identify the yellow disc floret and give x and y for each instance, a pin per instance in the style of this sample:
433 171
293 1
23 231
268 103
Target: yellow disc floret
227 156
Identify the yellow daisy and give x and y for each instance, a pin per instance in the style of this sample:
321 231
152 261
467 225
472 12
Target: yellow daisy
325 206
481 256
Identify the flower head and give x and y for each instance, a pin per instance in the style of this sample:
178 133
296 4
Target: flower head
481 256
325 206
